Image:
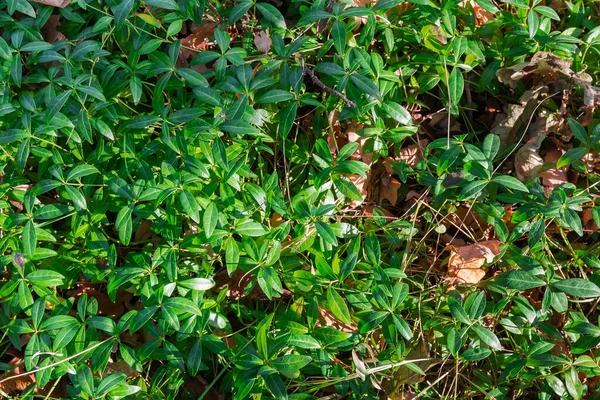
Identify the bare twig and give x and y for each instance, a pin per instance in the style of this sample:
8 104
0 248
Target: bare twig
317 81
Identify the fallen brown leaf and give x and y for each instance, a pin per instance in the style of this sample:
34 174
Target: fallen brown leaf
389 189
466 262
326 318
54 3
15 385
50 31
481 16
554 177
528 163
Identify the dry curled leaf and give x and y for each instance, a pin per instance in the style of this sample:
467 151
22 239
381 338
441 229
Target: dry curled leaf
466 262
262 41
528 163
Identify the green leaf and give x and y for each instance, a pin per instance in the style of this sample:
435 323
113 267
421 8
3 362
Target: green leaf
511 183
397 112
122 11
45 277
347 188
491 146
303 341
210 219
271 14
572 219
472 189
371 321
166 4
578 131
519 280
29 239
473 354
274 96
220 154
577 287
262 331
103 323
457 311
182 305
487 337
456 86
312 16
338 32
185 115
290 362
347 151
372 248
326 233
77 197
250 228
208 95
533 23
232 255
454 341
269 282
121 188
571 156
194 358
81 171
197 283
366 85
337 305
275 385
190 205
5 50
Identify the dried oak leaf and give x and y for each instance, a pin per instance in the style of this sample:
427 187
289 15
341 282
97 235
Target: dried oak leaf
466 262
554 177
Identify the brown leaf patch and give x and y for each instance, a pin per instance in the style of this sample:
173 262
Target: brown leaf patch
54 3
326 318
15 385
466 262
554 177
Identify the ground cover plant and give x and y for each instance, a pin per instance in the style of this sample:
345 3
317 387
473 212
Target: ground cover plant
299 199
